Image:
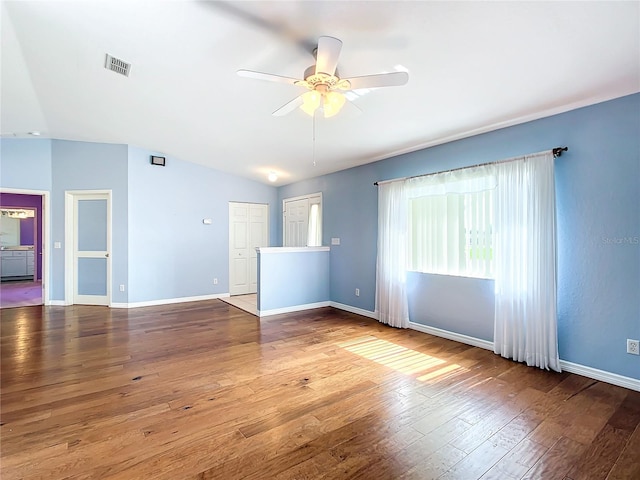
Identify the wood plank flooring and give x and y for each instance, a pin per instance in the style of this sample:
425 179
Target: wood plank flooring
206 391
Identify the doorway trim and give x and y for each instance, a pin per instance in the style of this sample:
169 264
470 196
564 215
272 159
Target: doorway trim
69 233
46 236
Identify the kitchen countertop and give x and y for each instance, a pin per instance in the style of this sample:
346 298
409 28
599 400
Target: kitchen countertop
18 247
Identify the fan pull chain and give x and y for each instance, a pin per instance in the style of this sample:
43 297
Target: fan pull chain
313 138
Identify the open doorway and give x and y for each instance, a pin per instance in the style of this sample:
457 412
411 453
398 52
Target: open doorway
21 249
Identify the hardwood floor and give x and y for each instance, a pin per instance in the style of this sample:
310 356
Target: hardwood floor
204 390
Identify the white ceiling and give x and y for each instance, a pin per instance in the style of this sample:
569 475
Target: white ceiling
473 66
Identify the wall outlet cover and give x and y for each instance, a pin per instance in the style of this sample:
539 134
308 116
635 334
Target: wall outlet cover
633 346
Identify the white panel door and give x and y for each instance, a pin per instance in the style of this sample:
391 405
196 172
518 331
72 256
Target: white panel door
296 218
248 229
91 246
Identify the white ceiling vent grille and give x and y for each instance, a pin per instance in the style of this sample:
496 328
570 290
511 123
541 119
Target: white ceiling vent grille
116 65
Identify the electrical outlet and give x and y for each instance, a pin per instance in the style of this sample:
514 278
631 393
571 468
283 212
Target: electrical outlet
357 292
122 288
215 281
633 347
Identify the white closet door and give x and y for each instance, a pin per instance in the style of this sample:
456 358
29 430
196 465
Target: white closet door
248 229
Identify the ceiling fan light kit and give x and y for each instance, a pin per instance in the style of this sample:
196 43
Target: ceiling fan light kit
310 102
332 103
322 80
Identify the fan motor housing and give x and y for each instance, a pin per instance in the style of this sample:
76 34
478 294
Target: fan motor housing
310 71
316 79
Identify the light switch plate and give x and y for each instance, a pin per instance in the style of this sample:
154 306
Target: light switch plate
57 244
335 241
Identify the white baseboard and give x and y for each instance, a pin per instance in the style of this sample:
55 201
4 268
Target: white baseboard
589 372
613 378
168 301
56 303
458 337
358 311
294 308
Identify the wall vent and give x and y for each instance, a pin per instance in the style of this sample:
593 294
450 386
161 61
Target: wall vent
116 65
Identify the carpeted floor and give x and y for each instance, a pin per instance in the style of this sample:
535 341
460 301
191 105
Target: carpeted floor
20 294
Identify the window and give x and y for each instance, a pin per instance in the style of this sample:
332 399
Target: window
451 233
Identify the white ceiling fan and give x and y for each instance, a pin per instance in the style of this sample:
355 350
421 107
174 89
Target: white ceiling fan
324 83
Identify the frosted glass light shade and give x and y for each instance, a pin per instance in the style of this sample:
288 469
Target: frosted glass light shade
311 101
333 102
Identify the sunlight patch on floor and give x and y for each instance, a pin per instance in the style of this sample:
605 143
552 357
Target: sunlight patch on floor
401 359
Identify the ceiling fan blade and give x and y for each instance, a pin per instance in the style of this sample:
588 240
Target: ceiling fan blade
392 79
269 77
273 25
327 55
351 108
288 107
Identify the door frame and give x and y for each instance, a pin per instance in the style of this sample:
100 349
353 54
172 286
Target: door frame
69 234
46 235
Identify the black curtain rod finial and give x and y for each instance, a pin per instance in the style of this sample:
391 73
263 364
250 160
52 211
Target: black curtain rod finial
558 151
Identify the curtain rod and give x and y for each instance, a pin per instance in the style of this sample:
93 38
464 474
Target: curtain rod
557 152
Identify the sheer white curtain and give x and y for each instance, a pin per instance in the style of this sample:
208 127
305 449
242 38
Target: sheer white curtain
525 270
391 293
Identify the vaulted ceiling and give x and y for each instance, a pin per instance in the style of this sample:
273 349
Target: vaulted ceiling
473 67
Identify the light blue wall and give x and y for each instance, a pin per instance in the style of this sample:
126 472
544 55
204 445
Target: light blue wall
157 231
288 279
598 203
431 298
25 163
172 254
90 166
349 204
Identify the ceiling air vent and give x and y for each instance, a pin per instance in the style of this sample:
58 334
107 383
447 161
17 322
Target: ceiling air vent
116 65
